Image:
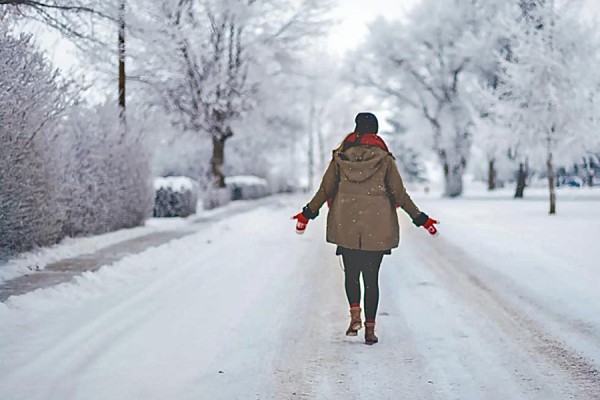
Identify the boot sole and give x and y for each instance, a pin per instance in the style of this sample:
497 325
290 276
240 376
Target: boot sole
371 343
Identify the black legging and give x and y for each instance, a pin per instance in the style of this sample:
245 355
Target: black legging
367 262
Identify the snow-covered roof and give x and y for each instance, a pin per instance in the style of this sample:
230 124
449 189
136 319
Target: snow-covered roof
244 180
176 183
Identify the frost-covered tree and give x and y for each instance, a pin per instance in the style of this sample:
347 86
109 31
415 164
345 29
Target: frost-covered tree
410 162
208 62
549 90
271 134
495 138
430 64
212 88
328 107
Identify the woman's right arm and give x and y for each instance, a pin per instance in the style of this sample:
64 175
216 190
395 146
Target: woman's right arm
326 190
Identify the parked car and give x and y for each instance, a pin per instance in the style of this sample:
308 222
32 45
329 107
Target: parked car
570 180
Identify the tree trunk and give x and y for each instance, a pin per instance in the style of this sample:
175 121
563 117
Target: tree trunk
492 175
122 61
590 176
453 180
551 188
217 161
521 181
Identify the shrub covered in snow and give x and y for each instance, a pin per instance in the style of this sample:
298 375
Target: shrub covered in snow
31 102
65 169
246 187
175 196
106 180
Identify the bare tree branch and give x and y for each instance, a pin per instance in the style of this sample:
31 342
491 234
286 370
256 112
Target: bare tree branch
51 5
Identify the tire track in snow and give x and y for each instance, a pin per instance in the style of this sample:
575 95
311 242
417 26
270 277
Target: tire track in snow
320 362
464 276
76 350
301 353
122 317
129 307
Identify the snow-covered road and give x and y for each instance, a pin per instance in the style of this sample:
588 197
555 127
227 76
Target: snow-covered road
494 308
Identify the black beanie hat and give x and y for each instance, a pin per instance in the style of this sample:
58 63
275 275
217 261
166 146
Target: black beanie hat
366 123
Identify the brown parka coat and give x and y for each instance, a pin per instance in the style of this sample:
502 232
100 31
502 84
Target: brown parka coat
364 187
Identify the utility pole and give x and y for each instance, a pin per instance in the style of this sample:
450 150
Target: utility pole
551 135
311 145
320 139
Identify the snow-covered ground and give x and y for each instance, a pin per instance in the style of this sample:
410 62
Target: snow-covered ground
504 304
38 259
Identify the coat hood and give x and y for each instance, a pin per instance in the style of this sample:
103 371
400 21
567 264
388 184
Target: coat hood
359 163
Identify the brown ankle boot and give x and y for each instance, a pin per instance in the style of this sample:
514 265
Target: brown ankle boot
355 322
370 337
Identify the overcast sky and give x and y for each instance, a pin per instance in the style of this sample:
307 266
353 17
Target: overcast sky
354 17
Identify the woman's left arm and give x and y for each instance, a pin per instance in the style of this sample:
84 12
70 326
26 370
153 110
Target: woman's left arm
397 192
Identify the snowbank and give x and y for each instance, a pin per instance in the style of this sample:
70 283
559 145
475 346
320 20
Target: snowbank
28 262
215 198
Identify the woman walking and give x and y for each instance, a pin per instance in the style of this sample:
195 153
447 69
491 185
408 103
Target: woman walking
363 187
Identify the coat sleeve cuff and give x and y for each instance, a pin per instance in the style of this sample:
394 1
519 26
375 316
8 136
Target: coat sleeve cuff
307 212
420 219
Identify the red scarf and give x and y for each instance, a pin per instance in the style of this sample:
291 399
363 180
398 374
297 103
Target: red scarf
369 139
